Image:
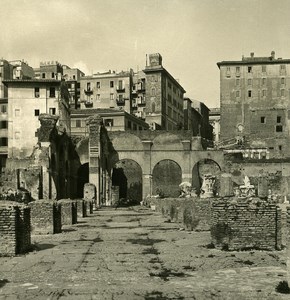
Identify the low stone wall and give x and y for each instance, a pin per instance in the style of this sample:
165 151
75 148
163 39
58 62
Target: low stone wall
69 214
239 224
15 233
81 208
193 213
45 216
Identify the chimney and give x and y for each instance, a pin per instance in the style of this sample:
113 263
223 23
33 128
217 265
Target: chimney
252 54
273 54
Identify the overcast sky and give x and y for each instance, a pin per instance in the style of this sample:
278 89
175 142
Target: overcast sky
191 35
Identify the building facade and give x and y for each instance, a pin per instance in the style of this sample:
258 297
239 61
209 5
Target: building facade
255 103
214 120
164 96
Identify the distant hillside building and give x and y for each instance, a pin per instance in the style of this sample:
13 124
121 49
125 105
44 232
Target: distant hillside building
255 103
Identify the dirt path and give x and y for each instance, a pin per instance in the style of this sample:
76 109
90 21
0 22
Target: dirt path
133 254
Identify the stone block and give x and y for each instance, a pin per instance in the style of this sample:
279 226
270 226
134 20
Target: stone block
81 208
89 205
68 211
89 192
226 185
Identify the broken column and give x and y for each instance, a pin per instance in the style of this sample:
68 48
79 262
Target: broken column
81 208
68 211
207 186
89 196
226 185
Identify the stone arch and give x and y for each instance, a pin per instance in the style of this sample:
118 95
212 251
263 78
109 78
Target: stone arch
127 174
202 167
82 178
167 175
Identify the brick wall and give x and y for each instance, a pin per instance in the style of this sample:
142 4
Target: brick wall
15 233
240 224
45 216
68 211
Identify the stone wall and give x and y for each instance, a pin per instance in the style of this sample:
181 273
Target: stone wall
45 217
15 235
68 211
239 224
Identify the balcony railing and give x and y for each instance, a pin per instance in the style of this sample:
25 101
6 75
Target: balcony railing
88 104
120 89
88 91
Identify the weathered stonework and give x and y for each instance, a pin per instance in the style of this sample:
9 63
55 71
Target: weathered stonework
246 224
81 208
68 211
45 217
15 231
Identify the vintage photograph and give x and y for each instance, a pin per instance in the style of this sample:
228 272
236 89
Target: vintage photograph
144 149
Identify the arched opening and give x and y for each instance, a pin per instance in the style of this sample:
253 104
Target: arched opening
127 174
167 176
83 177
201 168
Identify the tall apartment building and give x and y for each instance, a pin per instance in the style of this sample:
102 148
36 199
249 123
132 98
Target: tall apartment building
255 103
72 76
164 96
138 95
27 99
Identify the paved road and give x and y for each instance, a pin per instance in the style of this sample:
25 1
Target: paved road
134 254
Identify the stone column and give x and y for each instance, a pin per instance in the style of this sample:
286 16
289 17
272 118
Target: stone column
186 170
95 123
226 185
147 172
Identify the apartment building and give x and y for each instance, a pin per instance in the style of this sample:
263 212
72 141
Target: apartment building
255 103
164 96
214 120
27 99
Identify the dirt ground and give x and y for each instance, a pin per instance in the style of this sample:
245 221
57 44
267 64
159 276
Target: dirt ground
133 253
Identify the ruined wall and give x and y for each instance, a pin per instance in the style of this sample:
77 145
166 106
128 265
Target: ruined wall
45 217
15 236
241 224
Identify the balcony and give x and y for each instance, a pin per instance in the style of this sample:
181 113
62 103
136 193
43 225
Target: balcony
120 89
88 91
89 104
120 101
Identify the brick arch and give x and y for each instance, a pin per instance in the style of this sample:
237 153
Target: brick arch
166 177
82 149
127 174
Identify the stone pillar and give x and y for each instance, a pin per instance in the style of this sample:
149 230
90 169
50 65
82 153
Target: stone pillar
186 169
147 172
207 186
262 187
115 194
108 188
95 123
226 185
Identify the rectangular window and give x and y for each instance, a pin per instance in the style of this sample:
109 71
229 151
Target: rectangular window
249 69
4 108
3 141
111 84
78 123
52 111
169 112
249 94
109 122
36 92
228 69
52 75
249 81
264 93
237 69
237 81
88 86
282 67
52 92
263 120
36 112
282 80
111 96
120 98
263 81
3 124
237 94
264 68
98 96
282 93
120 84
169 85
279 128
43 75
280 147
279 119
98 85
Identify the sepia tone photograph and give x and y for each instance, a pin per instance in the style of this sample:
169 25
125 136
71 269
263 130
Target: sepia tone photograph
144 150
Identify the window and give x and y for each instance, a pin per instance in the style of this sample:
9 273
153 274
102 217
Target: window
52 111
4 108
52 92
264 93
237 81
169 98
0 74
249 69
237 94
228 69
98 85
98 96
3 141
279 128
52 75
282 67
17 135
249 81
249 94
43 75
129 124
111 84
109 122
88 86
282 93
282 80
263 120
264 69
263 81
153 107
279 119
78 123
120 98
280 147
36 112
36 92
169 112
17 112
3 124
111 96
120 85
153 92
169 85
237 69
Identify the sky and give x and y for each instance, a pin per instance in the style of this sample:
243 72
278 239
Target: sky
101 35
